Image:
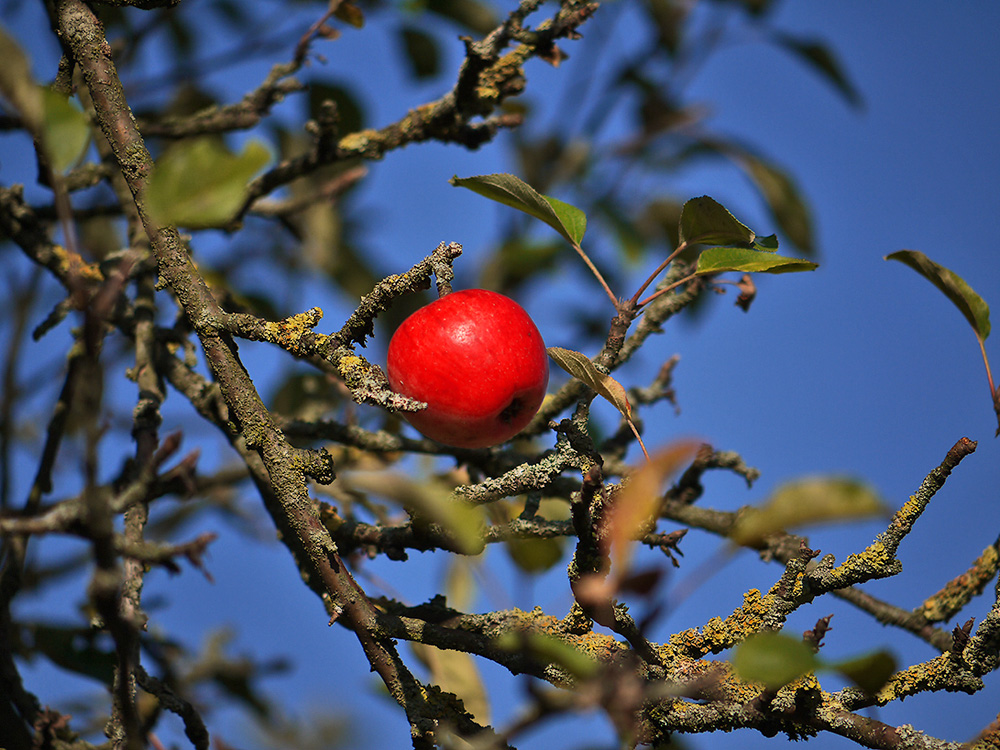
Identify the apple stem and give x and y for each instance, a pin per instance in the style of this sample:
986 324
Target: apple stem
659 269
669 287
597 274
994 392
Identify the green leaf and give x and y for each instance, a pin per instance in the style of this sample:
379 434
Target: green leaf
201 184
782 195
421 51
773 659
349 13
65 131
719 259
972 306
518 260
580 367
783 198
430 505
819 57
869 672
707 222
550 650
17 84
630 239
475 15
533 555
767 244
75 650
351 115
807 501
512 191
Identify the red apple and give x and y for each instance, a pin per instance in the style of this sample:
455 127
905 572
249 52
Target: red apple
478 361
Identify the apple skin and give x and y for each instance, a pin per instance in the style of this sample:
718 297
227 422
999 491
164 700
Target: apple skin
477 359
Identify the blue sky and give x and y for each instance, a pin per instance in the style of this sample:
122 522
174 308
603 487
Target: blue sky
858 368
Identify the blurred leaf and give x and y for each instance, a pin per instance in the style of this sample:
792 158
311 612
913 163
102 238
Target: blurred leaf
232 12
783 199
808 501
474 15
421 50
349 13
307 396
753 7
456 672
706 222
551 650
637 505
870 672
101 235
551 159
719 259
460 588
773 659
200 183
630 238
971 305
17 85
350 112
65 131
237 677
819 57
668 16
187 99
179 29
534 555
660 219
568 220
580 367
320 728
517 260
428 503
75 650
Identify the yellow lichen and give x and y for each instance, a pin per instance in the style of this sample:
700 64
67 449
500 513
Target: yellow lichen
358 141
717 634
348 366
72 265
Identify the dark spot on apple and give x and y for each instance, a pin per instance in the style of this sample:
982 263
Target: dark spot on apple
511 410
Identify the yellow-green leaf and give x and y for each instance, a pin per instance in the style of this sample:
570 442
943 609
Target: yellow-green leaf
460 587
719 259
349 13
551 650
773 659
705 221
534 555
201 184
512 191
65 131
783 197
429 504
580 367
869 672
17 85
805 502
971 305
